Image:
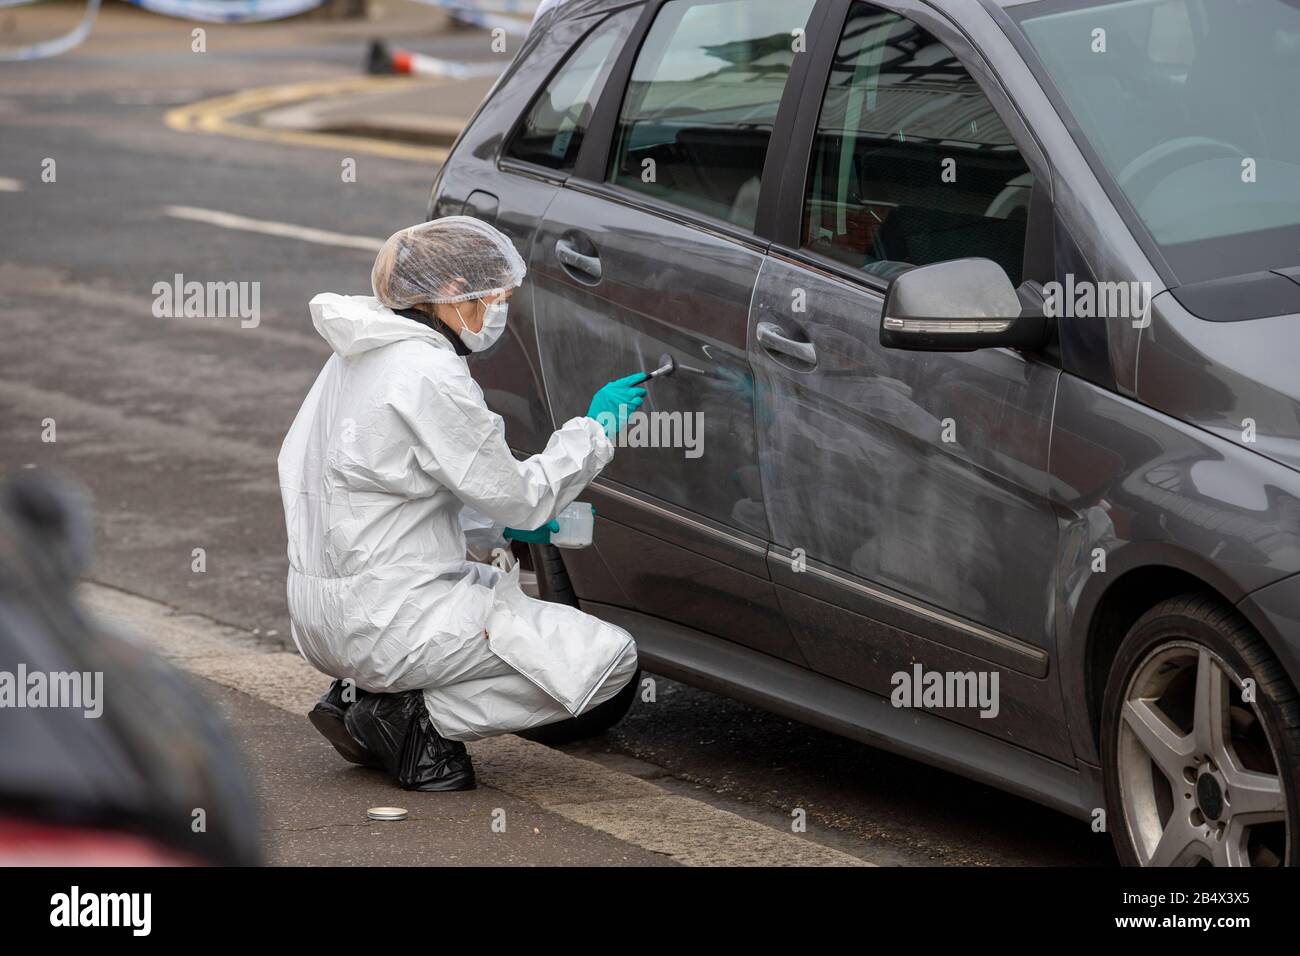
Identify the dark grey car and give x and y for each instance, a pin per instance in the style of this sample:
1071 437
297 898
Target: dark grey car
991 316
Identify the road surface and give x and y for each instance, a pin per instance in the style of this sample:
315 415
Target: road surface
174 424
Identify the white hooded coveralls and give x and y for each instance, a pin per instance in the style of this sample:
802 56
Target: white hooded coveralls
392 470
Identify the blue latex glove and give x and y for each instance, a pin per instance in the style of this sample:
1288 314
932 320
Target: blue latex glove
614 402
540 535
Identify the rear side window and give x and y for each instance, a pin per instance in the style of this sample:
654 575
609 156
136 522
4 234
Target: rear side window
551 134
702 101
911 164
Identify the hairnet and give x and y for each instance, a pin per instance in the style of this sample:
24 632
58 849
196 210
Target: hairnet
447 260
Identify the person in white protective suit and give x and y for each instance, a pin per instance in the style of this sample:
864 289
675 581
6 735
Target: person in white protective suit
395 470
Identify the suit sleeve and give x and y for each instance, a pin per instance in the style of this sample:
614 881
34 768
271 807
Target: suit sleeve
460 443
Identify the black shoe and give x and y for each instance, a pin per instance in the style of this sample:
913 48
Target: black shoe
430 761
328 716
396 728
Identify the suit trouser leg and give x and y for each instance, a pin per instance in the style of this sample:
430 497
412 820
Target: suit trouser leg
497 699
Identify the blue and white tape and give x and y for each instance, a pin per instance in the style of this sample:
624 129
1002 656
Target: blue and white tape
513 16
227 11
46 48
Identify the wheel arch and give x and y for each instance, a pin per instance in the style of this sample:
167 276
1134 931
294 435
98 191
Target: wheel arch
1138 577
1118 609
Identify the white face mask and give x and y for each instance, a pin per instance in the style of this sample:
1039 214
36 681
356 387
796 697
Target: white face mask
494 323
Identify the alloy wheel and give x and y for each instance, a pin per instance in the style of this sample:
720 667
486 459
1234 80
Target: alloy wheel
1198 768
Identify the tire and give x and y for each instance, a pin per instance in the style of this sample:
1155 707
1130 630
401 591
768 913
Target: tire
553 585
1194 773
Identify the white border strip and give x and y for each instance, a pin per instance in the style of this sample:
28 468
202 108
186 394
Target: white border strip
39 51
227 11
268 227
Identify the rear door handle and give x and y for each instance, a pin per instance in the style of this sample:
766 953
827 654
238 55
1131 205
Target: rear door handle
773 339
587 266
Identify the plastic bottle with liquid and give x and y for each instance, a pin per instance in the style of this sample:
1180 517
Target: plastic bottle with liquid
577 522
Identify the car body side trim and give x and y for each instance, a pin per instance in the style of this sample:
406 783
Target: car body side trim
718 228
988 643
821 265
726 537
997 646
518 167
727 668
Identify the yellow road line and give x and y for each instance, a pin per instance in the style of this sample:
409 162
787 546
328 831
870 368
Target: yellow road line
217 115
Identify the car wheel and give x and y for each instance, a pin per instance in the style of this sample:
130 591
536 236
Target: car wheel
1200 742
553 585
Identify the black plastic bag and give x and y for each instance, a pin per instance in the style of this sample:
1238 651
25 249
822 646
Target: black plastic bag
396 729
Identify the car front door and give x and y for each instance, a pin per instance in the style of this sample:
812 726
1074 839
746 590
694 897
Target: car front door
906 491
650 250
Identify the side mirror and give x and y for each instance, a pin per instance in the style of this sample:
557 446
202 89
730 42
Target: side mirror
957 306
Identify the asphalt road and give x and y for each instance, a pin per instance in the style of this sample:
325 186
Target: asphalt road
173 424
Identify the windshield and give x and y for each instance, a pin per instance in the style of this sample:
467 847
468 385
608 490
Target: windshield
1193 108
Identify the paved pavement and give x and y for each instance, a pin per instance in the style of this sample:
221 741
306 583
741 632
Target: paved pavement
534 804
173 424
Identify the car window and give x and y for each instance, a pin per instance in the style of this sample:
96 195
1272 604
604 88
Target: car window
1185 104
551 134
911 164
702 101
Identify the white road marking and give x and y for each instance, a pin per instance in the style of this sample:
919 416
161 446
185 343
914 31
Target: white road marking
8 185
59 284
268 227
633 810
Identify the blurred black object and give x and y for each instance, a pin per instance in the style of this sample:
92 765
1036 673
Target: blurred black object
395 728
155 778
379 62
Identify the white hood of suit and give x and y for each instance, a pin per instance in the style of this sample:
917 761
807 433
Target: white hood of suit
353 324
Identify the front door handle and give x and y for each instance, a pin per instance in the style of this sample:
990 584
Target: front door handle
587 266
773 339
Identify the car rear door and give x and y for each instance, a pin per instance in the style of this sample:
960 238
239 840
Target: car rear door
906 491
650 249
506 170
